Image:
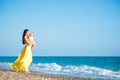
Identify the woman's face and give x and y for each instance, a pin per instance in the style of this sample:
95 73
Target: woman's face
27 33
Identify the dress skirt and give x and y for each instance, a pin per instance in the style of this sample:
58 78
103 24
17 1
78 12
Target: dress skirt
24 60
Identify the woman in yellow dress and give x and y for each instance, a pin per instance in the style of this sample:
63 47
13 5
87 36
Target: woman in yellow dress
24 60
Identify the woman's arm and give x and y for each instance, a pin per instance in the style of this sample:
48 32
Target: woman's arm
33 45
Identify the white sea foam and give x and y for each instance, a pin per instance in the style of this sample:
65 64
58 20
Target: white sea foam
84 70
70 70
5 65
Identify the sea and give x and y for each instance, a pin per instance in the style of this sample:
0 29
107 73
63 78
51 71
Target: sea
86 66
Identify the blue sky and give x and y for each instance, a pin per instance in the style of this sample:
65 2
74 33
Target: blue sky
61 27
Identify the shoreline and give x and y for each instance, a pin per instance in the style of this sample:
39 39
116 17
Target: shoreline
6 74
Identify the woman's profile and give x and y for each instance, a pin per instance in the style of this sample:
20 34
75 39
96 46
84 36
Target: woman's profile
24 59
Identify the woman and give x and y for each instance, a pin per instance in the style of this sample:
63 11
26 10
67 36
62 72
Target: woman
24 60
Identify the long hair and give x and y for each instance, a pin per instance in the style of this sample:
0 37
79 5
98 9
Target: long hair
24 35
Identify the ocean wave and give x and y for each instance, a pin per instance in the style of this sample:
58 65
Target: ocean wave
5 65
71 70
83 70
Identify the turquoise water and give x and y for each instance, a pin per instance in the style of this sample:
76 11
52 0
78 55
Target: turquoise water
101 67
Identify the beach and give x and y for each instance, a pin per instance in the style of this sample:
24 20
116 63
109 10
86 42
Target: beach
64 68
6 74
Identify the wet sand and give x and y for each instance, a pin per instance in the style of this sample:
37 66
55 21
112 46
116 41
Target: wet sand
6 74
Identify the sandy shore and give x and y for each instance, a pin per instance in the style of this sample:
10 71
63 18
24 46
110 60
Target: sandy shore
11 75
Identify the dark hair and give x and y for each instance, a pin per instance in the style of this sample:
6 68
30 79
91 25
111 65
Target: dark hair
24 35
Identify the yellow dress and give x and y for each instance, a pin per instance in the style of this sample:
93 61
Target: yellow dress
24 60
